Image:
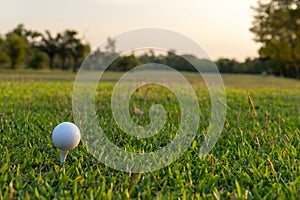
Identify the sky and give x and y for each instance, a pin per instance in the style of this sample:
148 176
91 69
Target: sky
220 27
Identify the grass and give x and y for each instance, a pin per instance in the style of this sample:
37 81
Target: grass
256 157
242 81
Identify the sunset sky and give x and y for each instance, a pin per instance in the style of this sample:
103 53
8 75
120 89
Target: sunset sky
220 27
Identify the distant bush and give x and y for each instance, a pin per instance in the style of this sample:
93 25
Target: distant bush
39 60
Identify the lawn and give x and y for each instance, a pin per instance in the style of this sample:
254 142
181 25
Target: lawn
256 156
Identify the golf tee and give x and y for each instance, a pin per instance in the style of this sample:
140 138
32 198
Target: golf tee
63 156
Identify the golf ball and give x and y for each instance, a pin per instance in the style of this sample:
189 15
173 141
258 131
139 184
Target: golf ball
66 136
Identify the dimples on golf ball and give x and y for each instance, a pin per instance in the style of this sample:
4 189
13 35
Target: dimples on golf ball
66 136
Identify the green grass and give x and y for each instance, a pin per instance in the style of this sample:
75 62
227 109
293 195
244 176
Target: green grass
257 155
242 81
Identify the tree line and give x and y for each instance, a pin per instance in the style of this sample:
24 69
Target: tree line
99 58
31 49
23 48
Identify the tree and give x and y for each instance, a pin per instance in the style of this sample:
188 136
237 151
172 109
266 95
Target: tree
111 46
276 27
15 48
149 57
79 52
38 61
49 45
95 61
31 38
64 51
74 48
71 50
3 56
124 63
226 65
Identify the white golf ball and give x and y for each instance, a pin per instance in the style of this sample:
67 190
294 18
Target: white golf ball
66 136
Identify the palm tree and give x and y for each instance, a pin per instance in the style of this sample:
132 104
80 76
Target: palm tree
66 46
72 50
78 53
49 45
